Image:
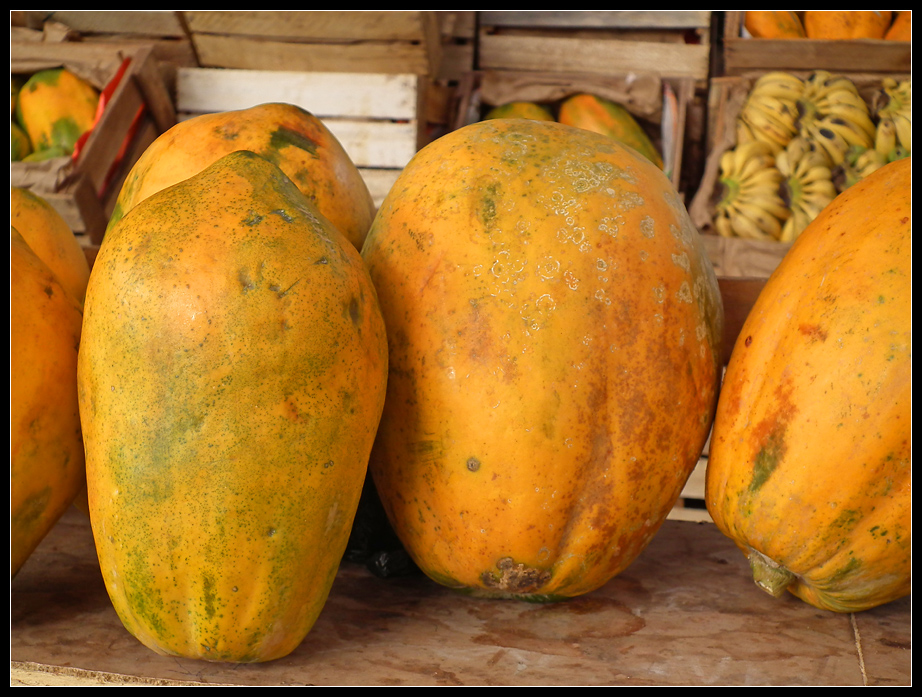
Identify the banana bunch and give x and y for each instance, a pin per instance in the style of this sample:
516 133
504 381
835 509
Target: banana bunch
892 106
833 114
769 113
800 142
807 185
750 205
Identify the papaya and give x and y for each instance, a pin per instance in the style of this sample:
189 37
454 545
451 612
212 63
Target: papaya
231 378
520 110
774 24
554 330
46 447
290 137
847 24
611 119
901 27
56 107
810 463
52 239
20 145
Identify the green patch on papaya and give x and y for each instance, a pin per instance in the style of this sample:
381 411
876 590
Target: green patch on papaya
285 137
767 460
31 511
487 210
850 567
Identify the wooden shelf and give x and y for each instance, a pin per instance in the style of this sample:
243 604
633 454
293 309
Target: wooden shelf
684 613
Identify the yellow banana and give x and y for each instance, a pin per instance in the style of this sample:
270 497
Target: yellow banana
831 142
724 228
747 228
903 125
782 86
849 132
766 129
885 137
771 202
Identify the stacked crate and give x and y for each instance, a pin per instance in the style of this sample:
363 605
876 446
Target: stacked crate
742 60
371 76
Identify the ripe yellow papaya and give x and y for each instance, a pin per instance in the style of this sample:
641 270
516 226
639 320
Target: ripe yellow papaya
847 24
51 238
56 107
231 378
774 24
810 463
46 447
520 110
611 119
901 27
293 139
554 329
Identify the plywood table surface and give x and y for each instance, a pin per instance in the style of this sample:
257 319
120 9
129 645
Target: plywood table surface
684 613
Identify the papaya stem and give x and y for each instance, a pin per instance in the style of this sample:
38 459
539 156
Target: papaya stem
768 574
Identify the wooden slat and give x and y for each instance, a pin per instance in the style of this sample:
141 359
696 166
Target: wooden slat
383 144
137 22
360 95
601 19
301 25
261 54
379 182
865 56
603 56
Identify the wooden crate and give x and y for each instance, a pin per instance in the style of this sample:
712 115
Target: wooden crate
673 44
659 104
368 41
376 116
742 53
83 190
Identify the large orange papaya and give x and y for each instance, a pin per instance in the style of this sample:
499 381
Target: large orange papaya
554 331
46 448
231 377
288 136
810 463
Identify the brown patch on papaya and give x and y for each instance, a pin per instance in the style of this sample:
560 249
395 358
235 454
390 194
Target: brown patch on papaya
515 578
813 331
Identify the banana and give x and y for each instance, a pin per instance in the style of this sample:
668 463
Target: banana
903 123
770 202
722 223
746 227
778 82
747 151
885 137
831 142
850 133
766 129
768 224
794 225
